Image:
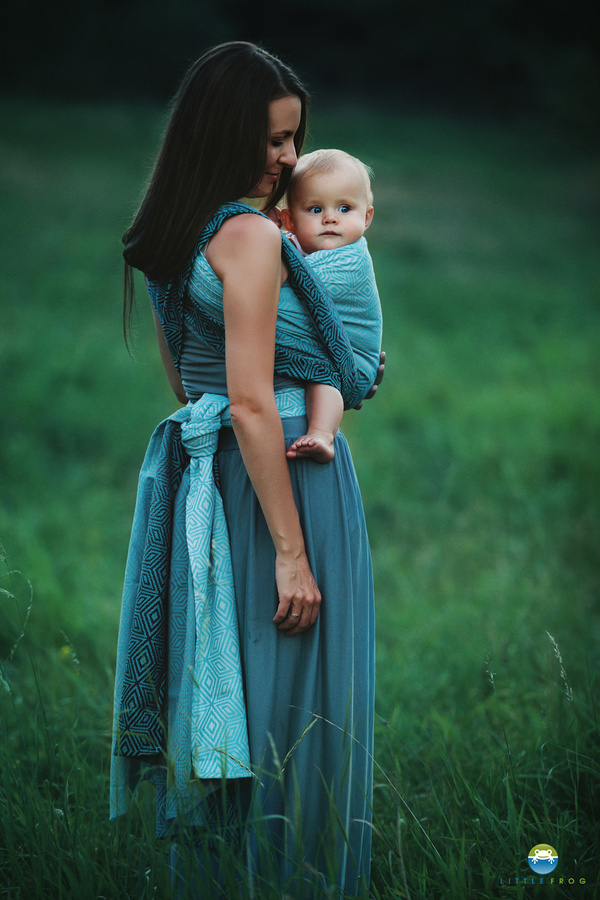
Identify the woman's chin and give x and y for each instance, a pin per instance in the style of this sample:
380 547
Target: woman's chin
262 190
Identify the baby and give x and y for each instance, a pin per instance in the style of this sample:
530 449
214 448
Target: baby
329 208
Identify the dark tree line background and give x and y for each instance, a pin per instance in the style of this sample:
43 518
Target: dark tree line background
498 57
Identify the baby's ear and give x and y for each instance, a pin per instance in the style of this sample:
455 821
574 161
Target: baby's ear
368 217
287 221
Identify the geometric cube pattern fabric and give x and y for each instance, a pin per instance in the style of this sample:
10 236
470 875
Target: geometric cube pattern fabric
219 729
347 272
218 716
139 727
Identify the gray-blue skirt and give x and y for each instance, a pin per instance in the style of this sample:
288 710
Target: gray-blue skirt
324 677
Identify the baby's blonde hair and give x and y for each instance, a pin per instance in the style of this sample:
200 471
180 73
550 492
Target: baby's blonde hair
320 161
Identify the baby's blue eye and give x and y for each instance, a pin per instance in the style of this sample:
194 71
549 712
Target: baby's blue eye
315 209
344 208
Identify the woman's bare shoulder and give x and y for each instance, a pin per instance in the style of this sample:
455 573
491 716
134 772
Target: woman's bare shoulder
243 237
246 230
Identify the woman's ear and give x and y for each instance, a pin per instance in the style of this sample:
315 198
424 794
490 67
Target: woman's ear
368 217
287 221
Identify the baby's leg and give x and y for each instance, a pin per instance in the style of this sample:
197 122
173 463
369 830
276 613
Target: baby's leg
324 409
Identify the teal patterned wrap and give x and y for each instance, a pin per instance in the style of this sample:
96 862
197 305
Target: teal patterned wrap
209 689
328 359
219 728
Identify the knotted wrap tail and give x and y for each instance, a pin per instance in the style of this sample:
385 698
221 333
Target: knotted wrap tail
219 730
219 738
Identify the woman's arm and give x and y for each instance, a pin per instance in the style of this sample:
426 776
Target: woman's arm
246 255
172 373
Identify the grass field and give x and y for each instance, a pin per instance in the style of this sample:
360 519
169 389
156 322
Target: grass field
478 462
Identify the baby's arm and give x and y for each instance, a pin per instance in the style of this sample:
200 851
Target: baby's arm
324 409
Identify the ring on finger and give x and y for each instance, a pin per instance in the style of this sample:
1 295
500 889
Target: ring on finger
295 615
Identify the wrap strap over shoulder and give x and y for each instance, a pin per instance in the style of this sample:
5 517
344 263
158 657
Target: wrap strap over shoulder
331 362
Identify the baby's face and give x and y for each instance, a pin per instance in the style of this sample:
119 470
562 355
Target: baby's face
330 210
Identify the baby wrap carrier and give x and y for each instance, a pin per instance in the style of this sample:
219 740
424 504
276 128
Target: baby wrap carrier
346 275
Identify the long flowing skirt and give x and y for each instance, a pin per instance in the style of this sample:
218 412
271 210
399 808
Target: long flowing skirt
302 820
315 782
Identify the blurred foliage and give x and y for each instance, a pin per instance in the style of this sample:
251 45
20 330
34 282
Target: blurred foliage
478 464
493 57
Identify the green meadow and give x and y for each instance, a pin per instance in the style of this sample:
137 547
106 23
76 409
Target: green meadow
479 465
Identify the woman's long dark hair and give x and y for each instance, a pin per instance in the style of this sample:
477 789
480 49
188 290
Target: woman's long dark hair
213 151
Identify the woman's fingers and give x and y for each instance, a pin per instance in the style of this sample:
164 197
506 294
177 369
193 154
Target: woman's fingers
378 379
297 615
380 368
299 596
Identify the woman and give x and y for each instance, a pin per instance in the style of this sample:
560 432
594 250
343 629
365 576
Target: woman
285 755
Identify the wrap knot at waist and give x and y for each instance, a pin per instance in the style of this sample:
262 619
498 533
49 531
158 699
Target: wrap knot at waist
201 422
202 419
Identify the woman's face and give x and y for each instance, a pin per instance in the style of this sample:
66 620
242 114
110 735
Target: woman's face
284 119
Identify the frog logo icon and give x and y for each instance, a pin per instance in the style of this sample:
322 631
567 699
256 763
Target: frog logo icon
542 859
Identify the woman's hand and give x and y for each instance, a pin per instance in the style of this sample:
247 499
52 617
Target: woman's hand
299 596
378 379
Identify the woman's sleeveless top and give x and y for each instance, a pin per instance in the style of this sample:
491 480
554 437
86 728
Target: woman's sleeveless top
202 368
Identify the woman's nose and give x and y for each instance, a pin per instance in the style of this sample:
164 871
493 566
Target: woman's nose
288 155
